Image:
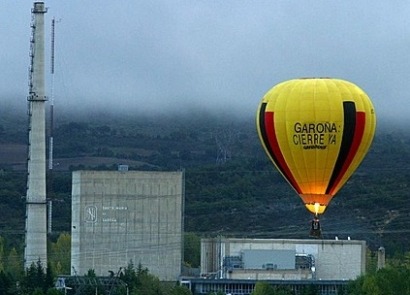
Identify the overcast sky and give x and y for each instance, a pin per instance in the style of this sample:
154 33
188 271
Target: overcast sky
216 54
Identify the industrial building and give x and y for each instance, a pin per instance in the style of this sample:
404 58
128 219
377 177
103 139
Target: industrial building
233 266
124 216
282 259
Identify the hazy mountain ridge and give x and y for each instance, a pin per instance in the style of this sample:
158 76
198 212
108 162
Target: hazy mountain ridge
231 187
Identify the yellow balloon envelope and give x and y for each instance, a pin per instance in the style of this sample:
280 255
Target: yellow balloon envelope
316 132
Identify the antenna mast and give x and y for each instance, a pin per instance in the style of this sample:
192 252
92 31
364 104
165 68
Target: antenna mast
51 132
51 143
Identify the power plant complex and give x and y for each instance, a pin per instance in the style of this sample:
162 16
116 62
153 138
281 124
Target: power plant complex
121 217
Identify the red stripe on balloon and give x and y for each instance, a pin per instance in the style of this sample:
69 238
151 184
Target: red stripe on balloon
357 139
277 154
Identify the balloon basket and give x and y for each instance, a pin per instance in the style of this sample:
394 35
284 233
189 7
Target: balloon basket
315 229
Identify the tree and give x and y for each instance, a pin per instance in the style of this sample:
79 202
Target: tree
387 281
371 261
147 284
370 286
2 253
93 287
310 290
263 288
54 291
6 283
284 291
14 264
192 249
49 277
38 291
35 278
140 281
180 290
60 256
129 276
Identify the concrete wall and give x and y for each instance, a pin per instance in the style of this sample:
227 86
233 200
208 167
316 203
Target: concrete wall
334 259
262 259
258 274
122 216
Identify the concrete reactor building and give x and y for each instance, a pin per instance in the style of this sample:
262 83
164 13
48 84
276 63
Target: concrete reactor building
123 216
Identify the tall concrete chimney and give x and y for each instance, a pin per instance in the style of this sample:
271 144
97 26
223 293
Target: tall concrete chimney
36 206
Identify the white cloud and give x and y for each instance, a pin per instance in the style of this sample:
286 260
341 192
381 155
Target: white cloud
164 54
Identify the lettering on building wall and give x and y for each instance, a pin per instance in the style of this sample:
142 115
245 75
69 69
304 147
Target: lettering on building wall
111 213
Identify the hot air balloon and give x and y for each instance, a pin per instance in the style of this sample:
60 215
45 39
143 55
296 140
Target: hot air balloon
316 131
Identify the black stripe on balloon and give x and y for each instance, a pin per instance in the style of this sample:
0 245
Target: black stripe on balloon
267 129
349 126
262 128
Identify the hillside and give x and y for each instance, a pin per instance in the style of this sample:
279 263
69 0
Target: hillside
231 187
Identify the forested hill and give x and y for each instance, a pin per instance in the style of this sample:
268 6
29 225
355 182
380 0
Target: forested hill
231 187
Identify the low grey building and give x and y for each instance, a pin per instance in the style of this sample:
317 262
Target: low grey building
282 259
123 216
